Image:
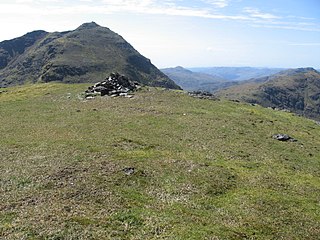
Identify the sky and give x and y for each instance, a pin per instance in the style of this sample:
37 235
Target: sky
203 33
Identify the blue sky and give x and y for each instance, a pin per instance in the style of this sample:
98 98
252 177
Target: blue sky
267 33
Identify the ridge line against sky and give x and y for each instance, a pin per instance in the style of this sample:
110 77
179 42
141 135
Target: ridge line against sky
214 32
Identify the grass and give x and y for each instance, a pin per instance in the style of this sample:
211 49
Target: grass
203 169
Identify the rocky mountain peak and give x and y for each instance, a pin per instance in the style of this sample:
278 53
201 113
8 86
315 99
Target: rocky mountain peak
88 25
81 55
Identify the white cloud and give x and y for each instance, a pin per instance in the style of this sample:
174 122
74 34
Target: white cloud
260 19
217 49
289 26
18 9
249 15
218 3
256 13
38 1
129 3
25 1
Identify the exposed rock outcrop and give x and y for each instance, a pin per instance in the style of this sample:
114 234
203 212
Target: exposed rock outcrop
203 95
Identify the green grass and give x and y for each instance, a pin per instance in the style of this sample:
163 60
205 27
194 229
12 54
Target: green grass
203 169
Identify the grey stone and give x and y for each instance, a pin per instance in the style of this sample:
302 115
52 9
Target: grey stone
283 137
128 170
113 85
203 95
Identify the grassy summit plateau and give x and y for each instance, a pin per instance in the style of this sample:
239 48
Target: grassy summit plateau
161 165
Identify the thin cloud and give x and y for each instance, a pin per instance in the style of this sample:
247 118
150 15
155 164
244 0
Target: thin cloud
18 9
218 3
261 19
129 3
256 13
25 1
249 15
145 7
287 27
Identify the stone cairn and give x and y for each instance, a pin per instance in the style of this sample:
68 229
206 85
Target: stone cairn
114 85
203 95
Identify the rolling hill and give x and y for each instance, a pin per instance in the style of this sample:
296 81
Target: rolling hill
160 165
297 90
86 54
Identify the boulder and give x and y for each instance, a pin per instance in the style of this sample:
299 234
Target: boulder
283 137
128 170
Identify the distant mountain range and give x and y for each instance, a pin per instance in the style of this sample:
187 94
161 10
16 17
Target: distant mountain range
192 81
86 54
215 78
297 90
237 73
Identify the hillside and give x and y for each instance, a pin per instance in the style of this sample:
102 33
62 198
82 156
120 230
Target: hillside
237 73
297 90
160 165
86 54
193 81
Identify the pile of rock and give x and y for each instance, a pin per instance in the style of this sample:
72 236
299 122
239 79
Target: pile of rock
283 138
114 85
203 95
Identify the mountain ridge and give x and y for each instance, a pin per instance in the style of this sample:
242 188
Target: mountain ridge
297 90
86 54
10 48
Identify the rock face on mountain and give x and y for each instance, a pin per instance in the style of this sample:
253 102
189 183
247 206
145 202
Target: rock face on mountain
86 54
297 90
